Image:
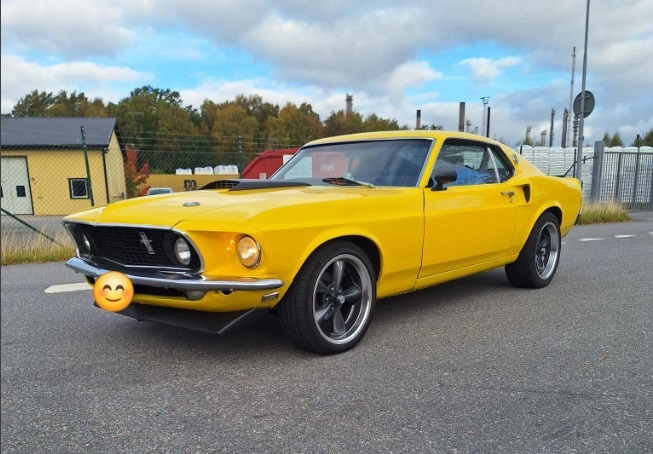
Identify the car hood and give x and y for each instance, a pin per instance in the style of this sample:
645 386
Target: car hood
234 207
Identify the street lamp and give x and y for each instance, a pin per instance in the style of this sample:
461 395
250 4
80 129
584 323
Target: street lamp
486 100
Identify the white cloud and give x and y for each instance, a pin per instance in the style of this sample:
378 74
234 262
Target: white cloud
382 51
65 28
486 70
19 77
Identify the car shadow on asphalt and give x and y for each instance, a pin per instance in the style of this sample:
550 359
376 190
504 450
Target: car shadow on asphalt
263 332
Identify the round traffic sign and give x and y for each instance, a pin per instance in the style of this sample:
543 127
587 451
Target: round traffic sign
589 103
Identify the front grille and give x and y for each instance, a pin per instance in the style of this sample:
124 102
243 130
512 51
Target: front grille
129 246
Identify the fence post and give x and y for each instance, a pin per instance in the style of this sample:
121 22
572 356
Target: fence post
597 173
88 171
634 198
617 182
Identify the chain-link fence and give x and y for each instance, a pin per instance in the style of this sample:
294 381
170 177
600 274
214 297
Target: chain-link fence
42 183
616 174
48 174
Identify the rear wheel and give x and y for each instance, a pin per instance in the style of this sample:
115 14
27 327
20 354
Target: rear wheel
538 261
329 306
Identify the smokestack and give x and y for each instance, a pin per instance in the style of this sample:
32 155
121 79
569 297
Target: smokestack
461 118
419 120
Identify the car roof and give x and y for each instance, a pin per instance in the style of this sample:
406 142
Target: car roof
403 134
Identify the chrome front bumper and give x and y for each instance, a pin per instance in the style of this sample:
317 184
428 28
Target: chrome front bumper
178 281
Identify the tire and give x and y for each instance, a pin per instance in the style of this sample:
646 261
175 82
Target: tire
538 260
329 307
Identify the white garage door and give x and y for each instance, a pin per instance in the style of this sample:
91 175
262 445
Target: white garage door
16 197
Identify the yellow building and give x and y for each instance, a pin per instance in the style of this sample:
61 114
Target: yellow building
58 166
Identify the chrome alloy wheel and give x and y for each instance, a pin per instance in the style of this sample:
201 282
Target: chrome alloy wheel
547 250
342 299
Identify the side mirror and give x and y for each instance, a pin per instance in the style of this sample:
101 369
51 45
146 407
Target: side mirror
442 177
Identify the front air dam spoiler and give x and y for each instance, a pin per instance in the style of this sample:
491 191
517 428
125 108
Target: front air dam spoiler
208 322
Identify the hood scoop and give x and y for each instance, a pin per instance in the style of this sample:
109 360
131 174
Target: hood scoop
245 185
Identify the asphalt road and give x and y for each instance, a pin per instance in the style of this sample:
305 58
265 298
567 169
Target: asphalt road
469 366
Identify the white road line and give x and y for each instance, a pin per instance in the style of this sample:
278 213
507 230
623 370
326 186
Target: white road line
591 239
68 288
624 236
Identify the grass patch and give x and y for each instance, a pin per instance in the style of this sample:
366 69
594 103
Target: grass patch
603 213
19 246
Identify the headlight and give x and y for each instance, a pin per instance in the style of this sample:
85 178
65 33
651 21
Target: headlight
86 243
182 251
249 252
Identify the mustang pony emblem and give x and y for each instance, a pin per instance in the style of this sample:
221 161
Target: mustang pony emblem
147 243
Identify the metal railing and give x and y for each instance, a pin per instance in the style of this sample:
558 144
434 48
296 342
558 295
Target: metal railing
616 174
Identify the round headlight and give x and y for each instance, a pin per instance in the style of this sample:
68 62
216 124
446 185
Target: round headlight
249 252
86 243
182 251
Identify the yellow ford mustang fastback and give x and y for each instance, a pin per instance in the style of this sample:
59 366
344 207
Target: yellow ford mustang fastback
346 221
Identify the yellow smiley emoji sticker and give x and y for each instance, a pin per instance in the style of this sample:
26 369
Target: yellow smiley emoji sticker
113 291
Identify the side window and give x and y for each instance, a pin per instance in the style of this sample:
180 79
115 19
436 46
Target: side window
471 161
504 169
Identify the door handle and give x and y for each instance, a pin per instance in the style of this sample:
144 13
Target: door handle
510 194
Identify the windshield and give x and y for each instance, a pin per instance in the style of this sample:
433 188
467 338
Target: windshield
377 162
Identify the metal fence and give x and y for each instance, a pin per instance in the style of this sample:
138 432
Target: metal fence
41 185
616 174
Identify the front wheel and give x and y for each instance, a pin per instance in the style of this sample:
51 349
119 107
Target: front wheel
329 306
538 260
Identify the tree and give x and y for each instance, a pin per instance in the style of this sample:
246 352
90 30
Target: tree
34 104
154 121
294 126
343 123
135 179
614 141
230 127
646 141
76 105
373 123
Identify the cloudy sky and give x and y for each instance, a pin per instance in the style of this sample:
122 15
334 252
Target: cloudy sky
393 57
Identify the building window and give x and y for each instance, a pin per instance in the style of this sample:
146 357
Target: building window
78 188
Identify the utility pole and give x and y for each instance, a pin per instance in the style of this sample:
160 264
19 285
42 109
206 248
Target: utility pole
553 115
581 138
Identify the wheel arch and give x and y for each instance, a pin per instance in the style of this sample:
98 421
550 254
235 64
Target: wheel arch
555 210
368 246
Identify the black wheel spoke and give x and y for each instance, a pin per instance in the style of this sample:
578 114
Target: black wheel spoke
338 323
338 272
322 287
545 242
353 294
322 313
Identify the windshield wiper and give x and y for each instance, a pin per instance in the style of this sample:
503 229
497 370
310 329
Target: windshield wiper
342 181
